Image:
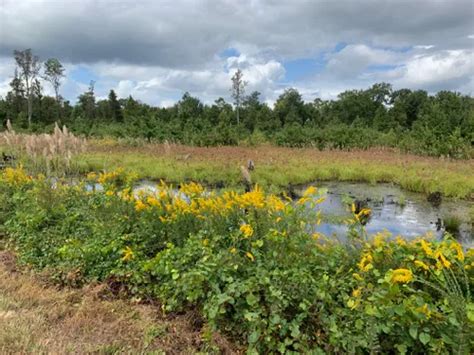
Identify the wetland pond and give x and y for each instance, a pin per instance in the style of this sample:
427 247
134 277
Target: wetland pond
398 211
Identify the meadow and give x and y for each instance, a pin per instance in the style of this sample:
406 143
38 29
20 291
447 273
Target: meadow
277 168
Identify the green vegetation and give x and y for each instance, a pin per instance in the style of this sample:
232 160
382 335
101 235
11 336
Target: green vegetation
414 121
452 224
277 168
247 264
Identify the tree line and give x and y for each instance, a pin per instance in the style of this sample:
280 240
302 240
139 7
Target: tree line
412 120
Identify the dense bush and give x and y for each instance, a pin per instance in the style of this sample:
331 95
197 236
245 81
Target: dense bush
252 263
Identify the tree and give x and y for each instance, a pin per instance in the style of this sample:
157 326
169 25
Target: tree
115 108
238 91
87 102
289 107
29 66
54 72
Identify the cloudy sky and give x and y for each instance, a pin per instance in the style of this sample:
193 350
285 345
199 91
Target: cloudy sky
157 50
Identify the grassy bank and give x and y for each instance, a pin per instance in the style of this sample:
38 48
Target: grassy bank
278 167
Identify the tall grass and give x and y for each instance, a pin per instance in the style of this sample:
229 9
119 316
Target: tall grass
50 154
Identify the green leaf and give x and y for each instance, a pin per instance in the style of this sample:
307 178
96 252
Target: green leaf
413 332
425 338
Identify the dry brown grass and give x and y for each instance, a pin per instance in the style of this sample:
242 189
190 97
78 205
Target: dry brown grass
38 318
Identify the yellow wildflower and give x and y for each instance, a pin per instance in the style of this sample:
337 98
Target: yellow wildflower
15 177
442 261
363 212
401 276
139 205
357 276
426 248
152 201
192 189
458 249
303 200
421 264
233 250
246 230
424 310
357 292
109 193
250 256
91 176
400 241
365 264
311 190
127 254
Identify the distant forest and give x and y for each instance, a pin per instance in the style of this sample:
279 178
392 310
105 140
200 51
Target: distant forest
412 120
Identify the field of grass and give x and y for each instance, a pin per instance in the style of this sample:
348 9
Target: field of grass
276 167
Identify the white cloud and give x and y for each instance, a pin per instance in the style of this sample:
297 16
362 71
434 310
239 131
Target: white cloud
155 51
446 69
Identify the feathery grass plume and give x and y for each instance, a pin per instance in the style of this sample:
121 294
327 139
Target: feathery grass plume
51 154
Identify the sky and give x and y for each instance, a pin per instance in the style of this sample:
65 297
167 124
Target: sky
157 50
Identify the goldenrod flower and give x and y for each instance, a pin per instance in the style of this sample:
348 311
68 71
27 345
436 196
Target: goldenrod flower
152 201
421 264
363 212
109 193
442 261
424 310
357 292
139 205
458 249
250 256
246 230
365 264
127 254
401 276
233 250
311 190
426 248
91 176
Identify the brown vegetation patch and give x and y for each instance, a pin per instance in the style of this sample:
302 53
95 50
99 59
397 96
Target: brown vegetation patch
37 318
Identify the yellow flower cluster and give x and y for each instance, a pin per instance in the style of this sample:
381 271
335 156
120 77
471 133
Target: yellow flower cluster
127 254
401 276
191 200
246 230
107 177
15 176
441 254
365 263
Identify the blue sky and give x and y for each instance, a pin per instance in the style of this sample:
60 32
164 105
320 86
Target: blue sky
159 50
